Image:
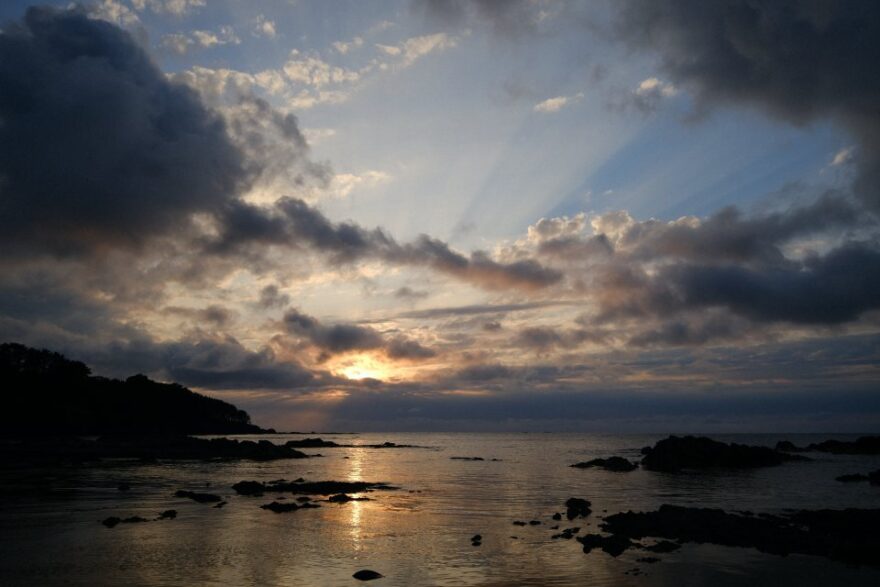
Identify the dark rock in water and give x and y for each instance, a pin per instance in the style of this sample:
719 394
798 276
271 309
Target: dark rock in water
614 545
648 559
199 497
467 458
303 498
557 516
344 498
662 546
577 507
220 505
476 538
367 575
123 487
281 508
112 521
167 515
845 535
616 464
851 478
310 443
691 452
308 487
865 445
567 534
519 523
645 450
534 522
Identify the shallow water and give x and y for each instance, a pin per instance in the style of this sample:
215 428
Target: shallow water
418 535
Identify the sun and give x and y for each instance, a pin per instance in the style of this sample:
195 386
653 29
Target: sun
363 367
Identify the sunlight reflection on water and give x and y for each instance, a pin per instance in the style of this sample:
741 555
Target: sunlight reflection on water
418 535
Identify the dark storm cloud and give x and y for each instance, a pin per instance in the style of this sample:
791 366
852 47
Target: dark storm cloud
271 297
508 17
97 148
335 338
836 288
291 222
342 338
795 59
454 311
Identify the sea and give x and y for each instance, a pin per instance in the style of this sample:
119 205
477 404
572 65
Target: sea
419 534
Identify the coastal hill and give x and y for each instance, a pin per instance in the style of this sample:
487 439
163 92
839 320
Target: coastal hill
46 393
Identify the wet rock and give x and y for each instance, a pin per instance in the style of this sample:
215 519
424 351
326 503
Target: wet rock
476 540
577 507
309 487
367 575
467 459
557 516
310 443
220 505
567 534
865 445
167 515
615 545
198 497
519 523
616 464
344 498
113 521
691 452
303 498
282 508
845 535
534 522
648 559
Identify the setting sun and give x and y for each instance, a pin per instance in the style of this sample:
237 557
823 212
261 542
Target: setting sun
363 367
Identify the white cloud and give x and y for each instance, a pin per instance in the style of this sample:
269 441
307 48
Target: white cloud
389 49
558 103
656 87
316 135
313 71
173 7
843 156
344 48
415 48
263 27
181 44
113 11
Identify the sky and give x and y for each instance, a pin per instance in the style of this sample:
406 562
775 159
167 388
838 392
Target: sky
510 215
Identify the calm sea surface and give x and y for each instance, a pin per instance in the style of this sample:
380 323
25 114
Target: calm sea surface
418 535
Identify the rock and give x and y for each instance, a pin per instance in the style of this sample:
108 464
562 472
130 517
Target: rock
519 523
167 515
303 498
308 487
865 445
567 534
577 507
281 508
220 505
199 497
310 443
344 498
662 546
367 575
534 522
112 521
466 458
557 516
616 464
614 545
845 535
691 452
648 559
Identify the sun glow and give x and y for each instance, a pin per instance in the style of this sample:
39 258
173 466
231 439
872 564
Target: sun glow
363 367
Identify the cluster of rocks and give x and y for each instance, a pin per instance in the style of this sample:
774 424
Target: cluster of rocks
616 464
301 486
865 445
114 521
692 452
